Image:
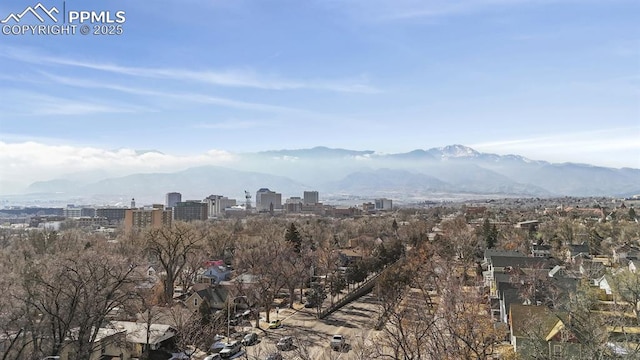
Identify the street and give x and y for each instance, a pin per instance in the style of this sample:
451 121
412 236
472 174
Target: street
354 321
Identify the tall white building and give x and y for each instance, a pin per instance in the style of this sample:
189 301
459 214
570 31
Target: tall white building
216 204
267 200
384 204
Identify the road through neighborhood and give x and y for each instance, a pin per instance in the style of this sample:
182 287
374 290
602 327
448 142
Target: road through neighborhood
354 321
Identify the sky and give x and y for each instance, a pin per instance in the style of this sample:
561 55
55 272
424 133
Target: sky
201 80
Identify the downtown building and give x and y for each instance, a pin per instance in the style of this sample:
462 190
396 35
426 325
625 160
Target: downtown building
172 198
383 204
155 217
310 197
217 205
114 215
267 200
190 210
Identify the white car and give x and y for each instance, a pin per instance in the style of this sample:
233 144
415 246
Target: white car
213 357
230 349
337 342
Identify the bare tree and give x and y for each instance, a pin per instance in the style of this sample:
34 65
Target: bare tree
464 241
66 296
467 321
262 258
172 246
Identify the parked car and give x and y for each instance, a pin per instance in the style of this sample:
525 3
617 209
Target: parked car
217 346
274 324
337 342
274 356
230 349
213 357
285 343
250 339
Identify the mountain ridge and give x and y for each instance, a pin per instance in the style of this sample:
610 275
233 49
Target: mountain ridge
418 173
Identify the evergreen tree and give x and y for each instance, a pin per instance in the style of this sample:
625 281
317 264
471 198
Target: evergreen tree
337 284
494 236
293 237
490 233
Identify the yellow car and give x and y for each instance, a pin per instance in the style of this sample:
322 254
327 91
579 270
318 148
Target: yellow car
274 324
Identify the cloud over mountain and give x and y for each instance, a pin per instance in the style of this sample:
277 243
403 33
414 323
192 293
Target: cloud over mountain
454 169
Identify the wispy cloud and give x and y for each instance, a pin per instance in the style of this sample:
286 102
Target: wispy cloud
230 125
182 96
242 78
597 146
204 99
388 10
20 103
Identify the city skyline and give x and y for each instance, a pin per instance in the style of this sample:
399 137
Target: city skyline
201 81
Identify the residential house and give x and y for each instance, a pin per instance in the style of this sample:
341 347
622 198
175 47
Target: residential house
348 257
214 296
541 250
214 272
529 225
575 251
140 335
244 281
110 344
626 252
508 294
536 332
605 285
529 282
488 253
505 264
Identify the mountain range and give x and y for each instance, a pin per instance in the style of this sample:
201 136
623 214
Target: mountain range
436 173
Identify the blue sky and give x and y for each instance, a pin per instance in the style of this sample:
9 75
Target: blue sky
555 80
